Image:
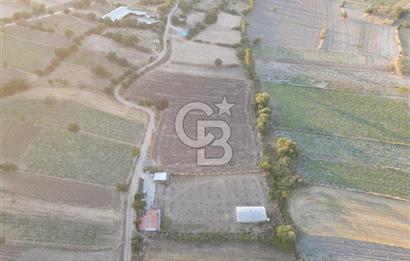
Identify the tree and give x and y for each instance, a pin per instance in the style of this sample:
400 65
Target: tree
100 71
38 8
161 105
8 167
73 127
286 148
286 236
211 16
14 86
135 152
262 100
218 62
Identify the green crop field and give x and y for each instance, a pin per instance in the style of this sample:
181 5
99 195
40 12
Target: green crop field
337 132
368 166
58 230
340 113
99 153
25 55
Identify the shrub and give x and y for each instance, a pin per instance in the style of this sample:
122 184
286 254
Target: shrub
286 236
8 167
211 16
151 169
91 16
62 53
257 41
69 33
109 90
161 105
136 244
218 62
135 152
73 127
399 12
100 71
21 15
50 100
139 202
125 39
121 187
262 100
14 86
66 10
38 8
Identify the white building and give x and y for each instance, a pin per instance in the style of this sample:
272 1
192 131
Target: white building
122 11
161 177
251 214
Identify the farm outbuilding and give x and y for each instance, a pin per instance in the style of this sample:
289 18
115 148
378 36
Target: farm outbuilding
151 221
123 11
251 214
161 177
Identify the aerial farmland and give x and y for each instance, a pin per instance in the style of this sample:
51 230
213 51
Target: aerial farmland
204 130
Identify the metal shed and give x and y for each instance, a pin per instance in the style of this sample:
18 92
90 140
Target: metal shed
251 214
161 177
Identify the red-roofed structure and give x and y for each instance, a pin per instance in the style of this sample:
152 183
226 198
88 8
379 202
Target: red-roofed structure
151 221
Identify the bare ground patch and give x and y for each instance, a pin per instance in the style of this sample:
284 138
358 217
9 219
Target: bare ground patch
195 204
180 89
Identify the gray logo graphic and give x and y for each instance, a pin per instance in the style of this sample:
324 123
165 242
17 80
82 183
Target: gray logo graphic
206 138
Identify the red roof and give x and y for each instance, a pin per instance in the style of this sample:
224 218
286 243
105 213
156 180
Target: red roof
151 221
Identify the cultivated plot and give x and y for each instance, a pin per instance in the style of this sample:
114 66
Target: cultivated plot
180 89
194 204
334 219
221 32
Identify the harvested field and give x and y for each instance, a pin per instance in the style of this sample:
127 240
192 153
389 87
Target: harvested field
23 54
38 37
195 17
147 38
103 44
62 22
301 21
347 222
195 204
362 81
180 89
167 250
221 31
192 53
59 190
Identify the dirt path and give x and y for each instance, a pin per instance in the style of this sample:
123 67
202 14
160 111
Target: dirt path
326 212
140 162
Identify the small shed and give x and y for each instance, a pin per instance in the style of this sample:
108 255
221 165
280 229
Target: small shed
161 177
251 214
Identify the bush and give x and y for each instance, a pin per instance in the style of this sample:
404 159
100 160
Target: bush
125 39
66 10
91 16
73 127
135 152
69 33
50 100
136 244
100 71
161 105
62 53
286 236
8 167
21 15
139 202
109 90
399 12
38 8
218 62
121 187
211 16
286 148
257 41
14 86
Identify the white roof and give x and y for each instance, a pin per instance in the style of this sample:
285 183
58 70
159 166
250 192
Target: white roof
251 214
160 176
121 12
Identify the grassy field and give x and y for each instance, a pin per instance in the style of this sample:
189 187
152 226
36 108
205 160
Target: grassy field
62 22
341 113
58 230
24 55
100 153
314 118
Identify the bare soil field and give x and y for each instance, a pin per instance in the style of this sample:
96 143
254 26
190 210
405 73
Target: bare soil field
202 54
167 250
221 31
17 251
180 89
78 69
195 17
59 190
321 212
103 44
62 22
197 204
38 37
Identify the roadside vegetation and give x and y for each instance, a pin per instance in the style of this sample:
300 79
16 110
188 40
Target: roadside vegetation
14 86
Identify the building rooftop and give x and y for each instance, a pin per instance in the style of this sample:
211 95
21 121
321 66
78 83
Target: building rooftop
251 214
151 221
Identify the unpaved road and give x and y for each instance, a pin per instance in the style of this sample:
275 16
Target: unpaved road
139 163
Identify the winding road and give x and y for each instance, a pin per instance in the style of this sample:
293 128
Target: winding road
139 163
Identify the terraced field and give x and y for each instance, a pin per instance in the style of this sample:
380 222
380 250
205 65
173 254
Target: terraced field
346 139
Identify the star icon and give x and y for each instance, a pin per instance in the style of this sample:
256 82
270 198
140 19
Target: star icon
224 107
